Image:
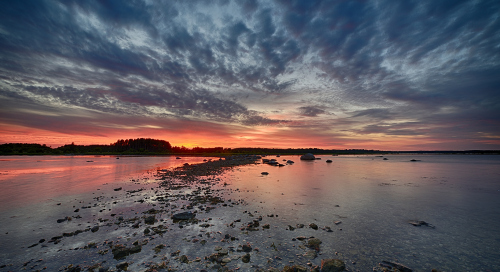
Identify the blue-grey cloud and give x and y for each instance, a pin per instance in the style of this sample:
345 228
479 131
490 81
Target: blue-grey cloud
381 64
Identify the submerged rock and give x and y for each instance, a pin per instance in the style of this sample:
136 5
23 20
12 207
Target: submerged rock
307 156
332 265
314 243
183 216
418 223
246 258
398 266
122 266
294 268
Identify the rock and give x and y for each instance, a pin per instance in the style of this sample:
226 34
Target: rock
122 266
307 156
332 265
290 162
264 173
118 189
266 226
294 268
399 267
120 251
311 254
329 161
183 216
246 258
61 220
314 243
313 226
420 223
94 229
226 260
150 220
184 259
247 247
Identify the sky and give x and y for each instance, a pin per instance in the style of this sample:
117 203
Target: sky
386 75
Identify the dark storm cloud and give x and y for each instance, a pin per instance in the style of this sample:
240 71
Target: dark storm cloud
310 111
432 62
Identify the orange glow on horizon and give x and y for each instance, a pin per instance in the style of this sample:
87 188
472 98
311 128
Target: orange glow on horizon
255 137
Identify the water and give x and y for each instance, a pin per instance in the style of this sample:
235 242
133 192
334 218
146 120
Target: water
459 195
372 198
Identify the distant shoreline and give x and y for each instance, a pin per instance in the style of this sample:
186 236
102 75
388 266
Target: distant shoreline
334 153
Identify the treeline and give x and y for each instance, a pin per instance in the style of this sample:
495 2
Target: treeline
146 146
129 146
140 146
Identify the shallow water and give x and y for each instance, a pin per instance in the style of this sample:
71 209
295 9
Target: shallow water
376 198
373 199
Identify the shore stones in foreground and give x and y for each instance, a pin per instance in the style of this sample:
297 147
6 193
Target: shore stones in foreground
307 157
332 265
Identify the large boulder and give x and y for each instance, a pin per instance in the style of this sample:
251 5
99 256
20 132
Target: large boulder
332 265
307 157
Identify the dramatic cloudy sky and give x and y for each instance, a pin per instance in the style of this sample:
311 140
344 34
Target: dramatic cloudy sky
408 75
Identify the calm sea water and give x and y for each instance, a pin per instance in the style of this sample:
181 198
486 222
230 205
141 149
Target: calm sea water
373 199
458 195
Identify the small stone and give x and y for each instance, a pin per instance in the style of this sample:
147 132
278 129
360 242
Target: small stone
247 248
246 258
122 266
184 259
226 260
183 216
94 229
313 226
150 220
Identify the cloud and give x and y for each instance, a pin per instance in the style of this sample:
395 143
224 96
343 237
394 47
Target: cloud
310 111
425 64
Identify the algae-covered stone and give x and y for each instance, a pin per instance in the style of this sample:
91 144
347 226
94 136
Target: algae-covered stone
332 265
311 254
314 243
294 268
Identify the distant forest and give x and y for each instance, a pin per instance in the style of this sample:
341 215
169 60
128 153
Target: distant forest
146 146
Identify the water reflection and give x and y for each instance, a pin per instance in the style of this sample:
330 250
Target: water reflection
26 180
375 199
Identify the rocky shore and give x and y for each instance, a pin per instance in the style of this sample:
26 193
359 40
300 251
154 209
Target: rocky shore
189 220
